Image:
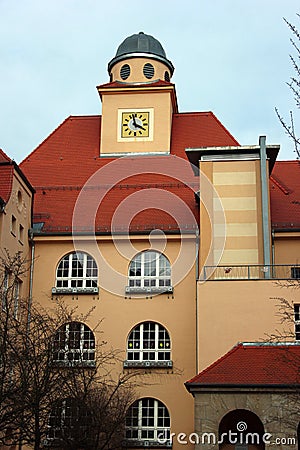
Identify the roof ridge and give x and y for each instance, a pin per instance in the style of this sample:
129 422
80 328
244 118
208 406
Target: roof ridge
193 113
45 140
224 128
6 158
81 116
216 362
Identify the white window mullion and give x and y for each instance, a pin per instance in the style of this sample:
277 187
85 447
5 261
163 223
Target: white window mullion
140 420
70 270
84 268
67 337
156 342
157 273
155 418
81 342
142 342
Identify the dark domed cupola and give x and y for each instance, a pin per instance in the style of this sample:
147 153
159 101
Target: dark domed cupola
140 58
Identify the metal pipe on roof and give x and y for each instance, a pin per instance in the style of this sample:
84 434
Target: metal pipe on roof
265 204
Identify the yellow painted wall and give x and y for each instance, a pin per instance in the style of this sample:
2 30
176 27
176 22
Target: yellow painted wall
19 207
237 311
230 216
287 248
161 105
136 70
120 314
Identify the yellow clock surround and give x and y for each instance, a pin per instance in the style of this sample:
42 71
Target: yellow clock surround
135 124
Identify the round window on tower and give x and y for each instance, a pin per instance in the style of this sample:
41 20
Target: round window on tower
148 71
167 76
125 71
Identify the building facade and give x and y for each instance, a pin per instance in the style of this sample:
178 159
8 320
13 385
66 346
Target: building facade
170 230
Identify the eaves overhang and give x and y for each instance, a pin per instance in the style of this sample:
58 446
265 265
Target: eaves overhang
127 56
237 387
230 153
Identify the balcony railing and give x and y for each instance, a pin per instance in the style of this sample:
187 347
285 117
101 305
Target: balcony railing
251 272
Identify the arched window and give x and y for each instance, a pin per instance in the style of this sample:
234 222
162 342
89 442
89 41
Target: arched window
148 344
74 343
149 271
68 422
148 419
76 272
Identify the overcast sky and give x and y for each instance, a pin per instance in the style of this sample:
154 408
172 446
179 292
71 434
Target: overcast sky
230 56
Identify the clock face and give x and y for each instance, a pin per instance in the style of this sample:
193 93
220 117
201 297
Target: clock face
135 124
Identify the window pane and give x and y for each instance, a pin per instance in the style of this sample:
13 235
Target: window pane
77 270
149 340
147 419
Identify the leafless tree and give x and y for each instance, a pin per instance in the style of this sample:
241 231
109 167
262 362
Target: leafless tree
294 85
288 312
12 271
51 392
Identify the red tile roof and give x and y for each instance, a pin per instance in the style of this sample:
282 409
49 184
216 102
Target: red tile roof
253 364
3 157
65 160
285 195
62 164
6 176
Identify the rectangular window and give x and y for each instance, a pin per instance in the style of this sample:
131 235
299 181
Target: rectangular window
4 291
21 233
13 225
297 322
17 288
295 272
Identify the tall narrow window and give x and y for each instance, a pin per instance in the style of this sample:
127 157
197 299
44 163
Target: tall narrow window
295 272
74 343
297 321
4 293
148 420
148 344
21 234
16 296
149 271
76 272
13 225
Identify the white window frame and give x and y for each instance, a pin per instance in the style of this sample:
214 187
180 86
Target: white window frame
148 344
59 414
84 354
67 281
17 288
144 428
297 321
5 286
149 271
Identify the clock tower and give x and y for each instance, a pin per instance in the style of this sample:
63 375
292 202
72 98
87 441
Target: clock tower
139 101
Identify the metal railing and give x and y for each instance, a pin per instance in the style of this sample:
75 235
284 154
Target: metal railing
251 272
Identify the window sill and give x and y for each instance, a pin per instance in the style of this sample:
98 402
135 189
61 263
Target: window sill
148 364
82 364
130 443
59 290
148 290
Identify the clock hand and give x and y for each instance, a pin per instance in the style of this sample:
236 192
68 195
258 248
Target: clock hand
133 119
140 126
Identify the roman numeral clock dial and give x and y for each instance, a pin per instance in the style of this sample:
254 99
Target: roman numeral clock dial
135 124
